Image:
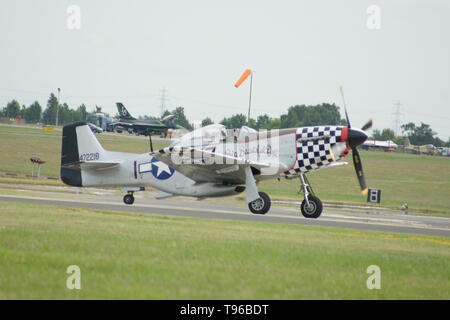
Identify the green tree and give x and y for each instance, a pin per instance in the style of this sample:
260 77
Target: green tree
81 113
419 135
180 118
273 124
33 113
165 114
438 142
207 121
447 144
235 121
22 111
12 109
251 123
388 134
66 115
49 114
384 135
262 121
302 115
376 134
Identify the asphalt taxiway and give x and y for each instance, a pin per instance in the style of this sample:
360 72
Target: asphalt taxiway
361 220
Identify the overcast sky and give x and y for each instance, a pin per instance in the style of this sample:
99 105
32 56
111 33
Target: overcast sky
129 51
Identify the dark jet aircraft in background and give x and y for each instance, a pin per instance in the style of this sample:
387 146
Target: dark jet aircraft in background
126 122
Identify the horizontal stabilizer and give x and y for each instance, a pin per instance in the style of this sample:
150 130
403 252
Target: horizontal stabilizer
91 165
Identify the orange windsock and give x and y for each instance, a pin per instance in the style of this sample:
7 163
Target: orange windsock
243 77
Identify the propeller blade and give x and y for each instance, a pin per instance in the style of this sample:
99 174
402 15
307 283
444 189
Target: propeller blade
359 170
345 105
368 125
355 138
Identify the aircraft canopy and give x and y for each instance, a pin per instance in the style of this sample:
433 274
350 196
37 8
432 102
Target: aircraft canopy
212 134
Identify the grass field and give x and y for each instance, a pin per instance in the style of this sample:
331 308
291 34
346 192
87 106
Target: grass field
124 255
20 144
421 181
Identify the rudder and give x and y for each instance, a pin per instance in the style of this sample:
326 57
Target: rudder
407 143
78 144
123 112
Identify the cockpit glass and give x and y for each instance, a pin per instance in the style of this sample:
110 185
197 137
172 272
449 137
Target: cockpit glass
204 136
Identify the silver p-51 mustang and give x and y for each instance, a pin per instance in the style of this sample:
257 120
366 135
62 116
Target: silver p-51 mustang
213 161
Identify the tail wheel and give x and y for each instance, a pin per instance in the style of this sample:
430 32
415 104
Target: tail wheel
128 199
313 209
260 205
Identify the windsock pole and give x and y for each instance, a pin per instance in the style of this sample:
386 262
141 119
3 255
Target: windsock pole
244 76
250 98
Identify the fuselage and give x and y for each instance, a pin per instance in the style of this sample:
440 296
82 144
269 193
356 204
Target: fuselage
288 152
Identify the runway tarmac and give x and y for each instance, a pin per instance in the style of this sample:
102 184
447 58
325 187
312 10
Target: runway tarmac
362 220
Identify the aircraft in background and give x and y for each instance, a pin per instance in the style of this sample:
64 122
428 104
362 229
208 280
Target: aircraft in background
94 128
387 145
213 161
100 120
127 122
426 148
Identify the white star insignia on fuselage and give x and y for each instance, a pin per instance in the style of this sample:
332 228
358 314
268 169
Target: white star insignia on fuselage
162 167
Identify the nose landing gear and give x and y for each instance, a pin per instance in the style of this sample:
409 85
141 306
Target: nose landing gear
311 206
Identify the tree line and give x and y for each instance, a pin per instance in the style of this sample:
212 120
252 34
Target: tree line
296 116
34 113
417 135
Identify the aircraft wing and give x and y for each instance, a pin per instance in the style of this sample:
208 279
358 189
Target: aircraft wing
155 124
126 124
333 165
206 166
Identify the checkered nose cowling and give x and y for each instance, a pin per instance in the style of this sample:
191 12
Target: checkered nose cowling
314 148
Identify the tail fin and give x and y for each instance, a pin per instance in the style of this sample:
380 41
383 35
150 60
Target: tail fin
79 145
407 143
123 112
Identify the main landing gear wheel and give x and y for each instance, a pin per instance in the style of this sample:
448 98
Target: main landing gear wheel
260 205
128 198
311 209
